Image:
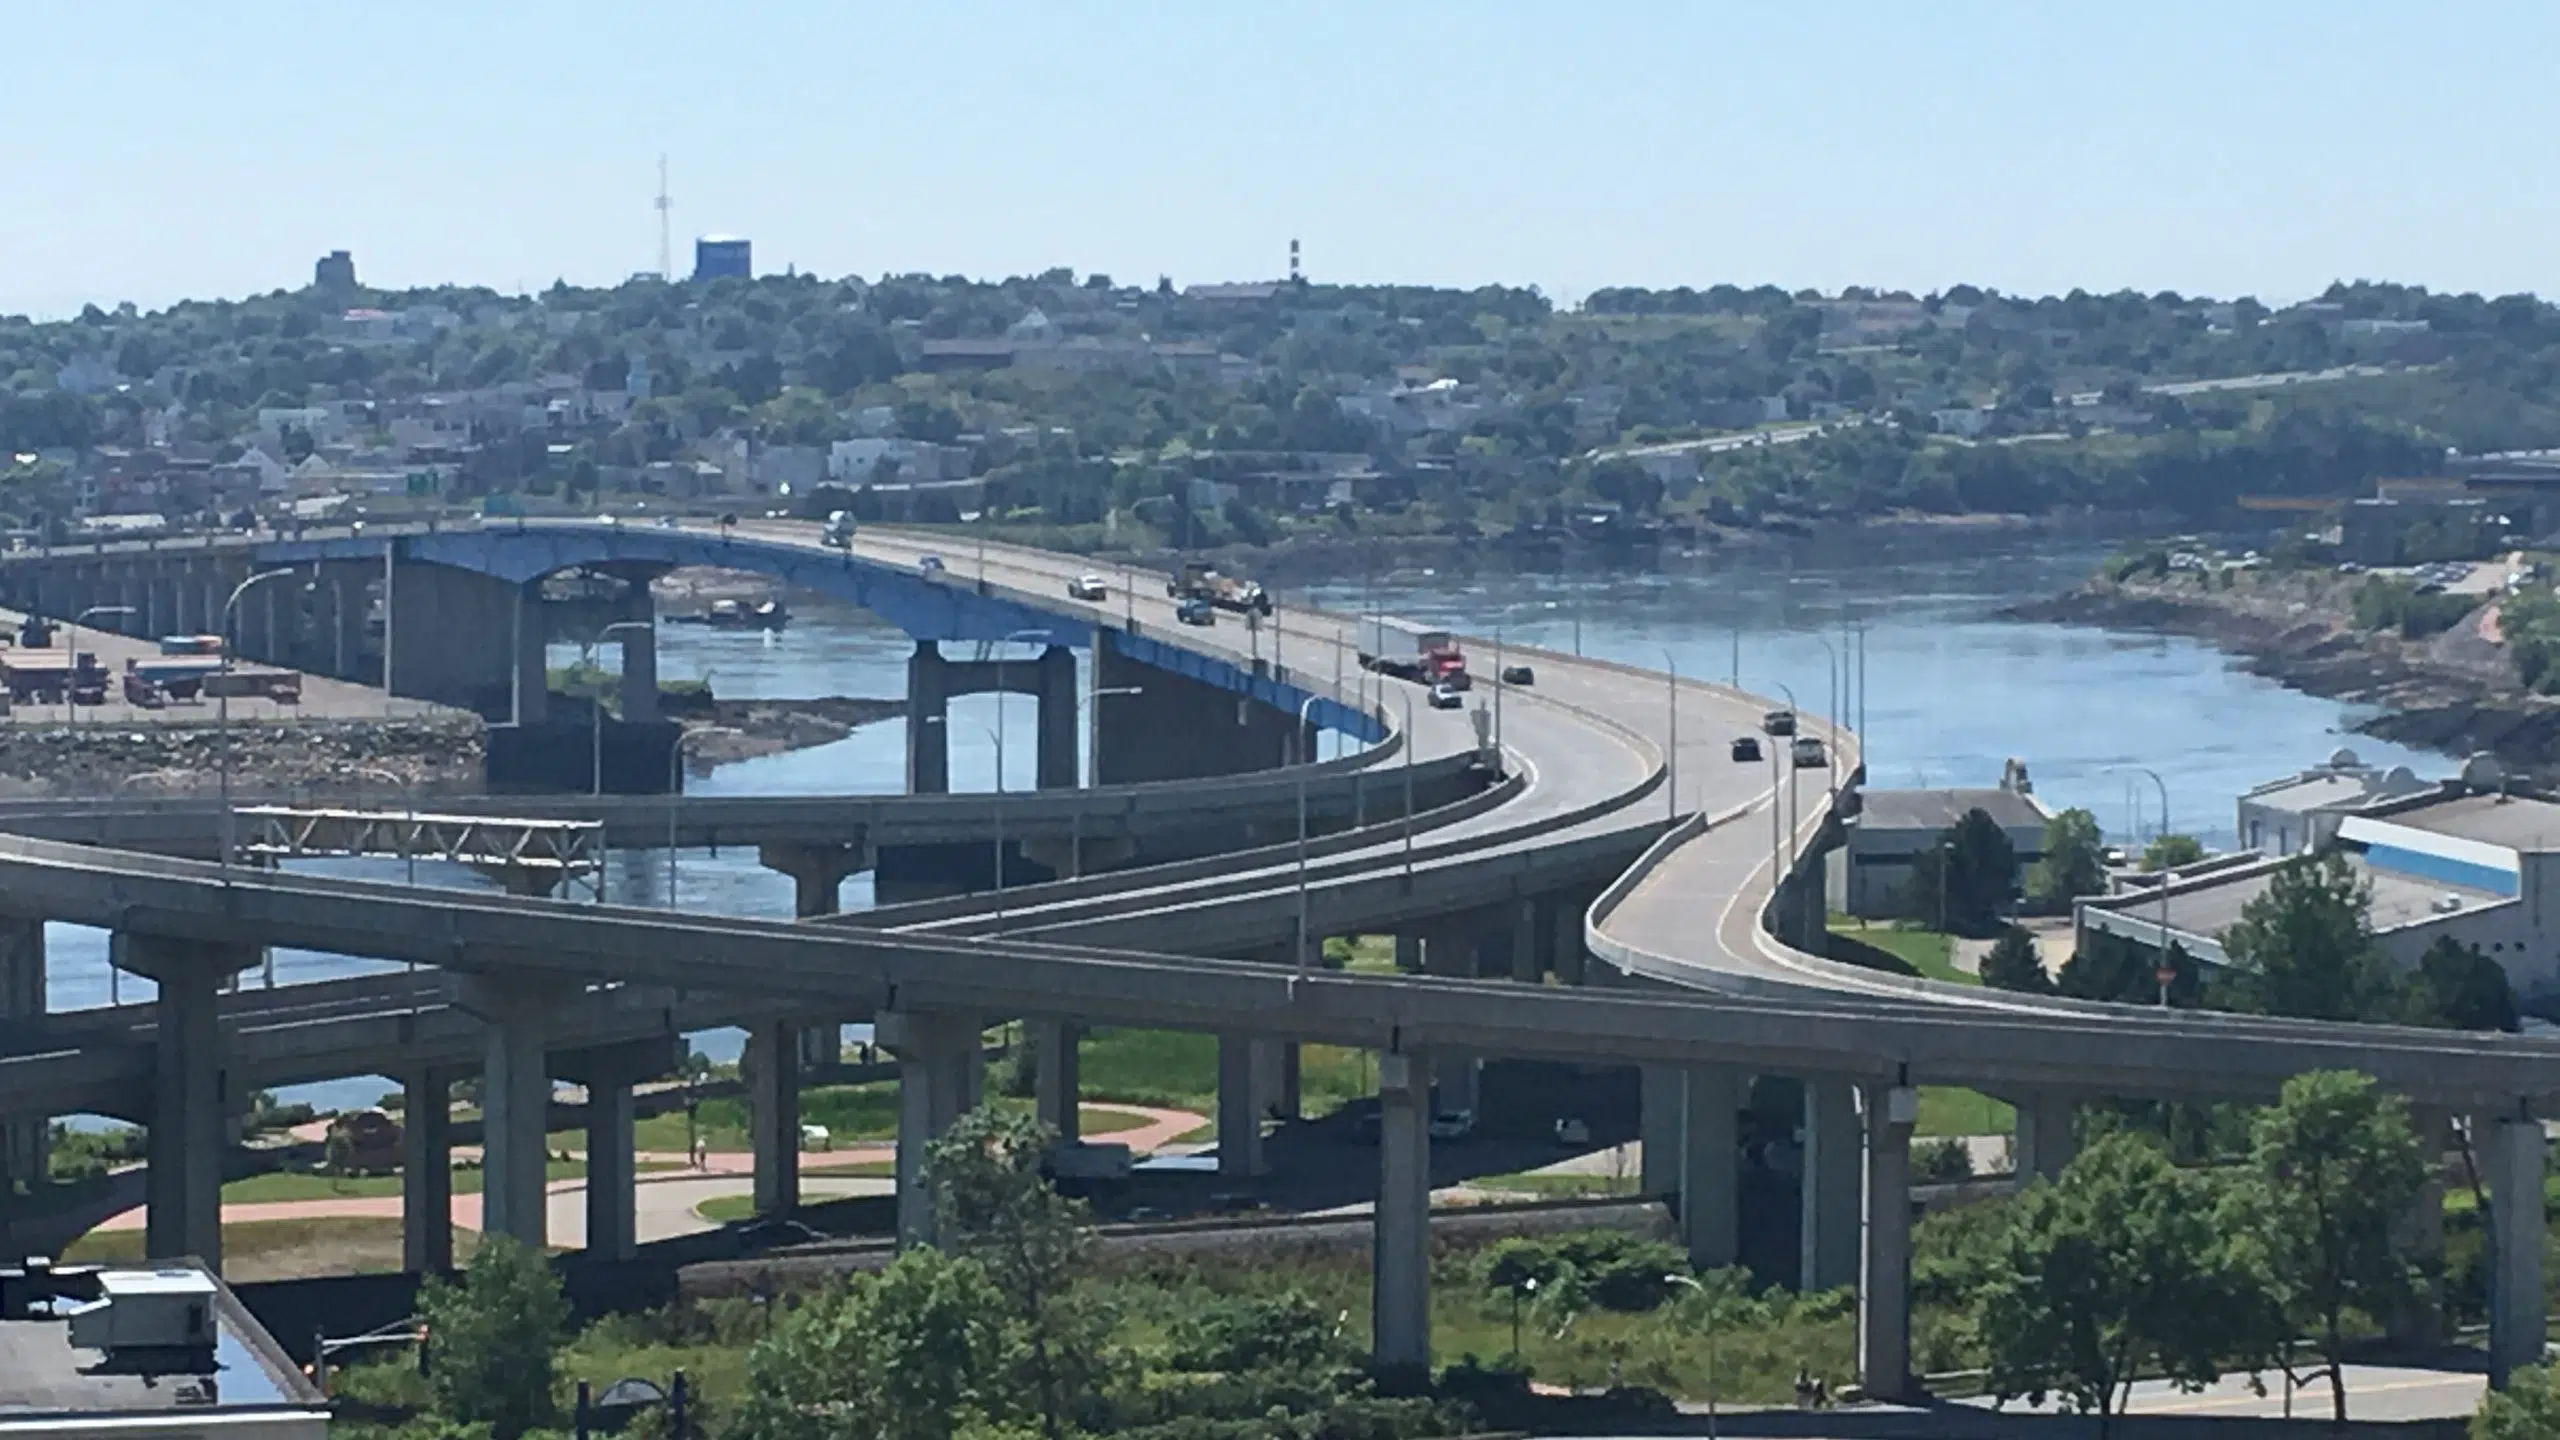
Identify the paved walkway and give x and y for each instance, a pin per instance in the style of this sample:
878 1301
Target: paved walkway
670 1200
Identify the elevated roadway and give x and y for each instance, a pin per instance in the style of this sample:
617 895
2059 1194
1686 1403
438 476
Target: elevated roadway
1618 784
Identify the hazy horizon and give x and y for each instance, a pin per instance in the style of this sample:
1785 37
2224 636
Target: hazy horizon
2263 150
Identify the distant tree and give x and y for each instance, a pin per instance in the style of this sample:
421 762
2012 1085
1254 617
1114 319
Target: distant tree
2170 852
1963 879
1943 1161
2014 963
2127 972
495 1335
911 1353
2074 861
2457 987
2334 1167
2111 1271
2303 947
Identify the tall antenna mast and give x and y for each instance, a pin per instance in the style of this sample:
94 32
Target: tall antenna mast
666 235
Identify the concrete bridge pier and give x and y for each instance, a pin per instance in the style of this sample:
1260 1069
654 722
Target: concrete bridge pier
2510 1146
26 1146
1240 1108
1710 1164
1059 762
426 1172
818 873
515 1103
1830 1199
191 1092
771 1068
1884 1259
1058 1081
1454 952
2044 1141
941 1074
1400 1264
928 721
1661 1114
640 662
2420 1322
609 1073
1180 728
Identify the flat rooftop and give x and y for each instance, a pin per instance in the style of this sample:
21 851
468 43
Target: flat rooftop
1938 809
2311 792
43 1377
2516 822
2398 900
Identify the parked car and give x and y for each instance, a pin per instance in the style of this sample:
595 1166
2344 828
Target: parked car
1196 611
1445 696
1086 587
1572 1131
1453 1124
1519 675
1809 754
1746 749
1779 722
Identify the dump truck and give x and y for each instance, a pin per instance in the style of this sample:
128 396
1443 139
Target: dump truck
1413 652
1200 580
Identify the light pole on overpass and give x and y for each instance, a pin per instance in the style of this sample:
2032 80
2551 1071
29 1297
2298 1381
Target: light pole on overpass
675 793
1782 794
1833 669
222 702
595 702
71 652
1671 752
1407 697
1306 757
2165 973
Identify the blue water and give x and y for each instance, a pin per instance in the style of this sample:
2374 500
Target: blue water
1951 691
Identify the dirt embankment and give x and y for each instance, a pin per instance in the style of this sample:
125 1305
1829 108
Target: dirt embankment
749 728
2454 692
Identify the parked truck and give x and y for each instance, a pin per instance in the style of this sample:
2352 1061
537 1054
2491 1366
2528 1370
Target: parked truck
1199 580
176 677
1413 652
839 529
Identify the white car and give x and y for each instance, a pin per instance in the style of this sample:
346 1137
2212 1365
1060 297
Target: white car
1453 1125
1087 587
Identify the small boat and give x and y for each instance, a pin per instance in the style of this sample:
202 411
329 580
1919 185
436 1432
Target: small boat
740 615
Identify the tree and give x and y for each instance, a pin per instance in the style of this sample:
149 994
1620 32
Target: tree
911 1353
495 1334
2334 1167
2528 1409
993 1205
2122 971
2458 988
2074 862
2111 1271
2303 948
2014 963
2169 852
1963 879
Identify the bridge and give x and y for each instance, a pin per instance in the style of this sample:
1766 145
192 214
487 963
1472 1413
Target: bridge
1620 852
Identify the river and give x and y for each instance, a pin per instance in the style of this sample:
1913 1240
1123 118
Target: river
1951 692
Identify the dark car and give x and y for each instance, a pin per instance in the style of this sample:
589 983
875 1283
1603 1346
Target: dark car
1519 675
1195 611
1779 722
1746 749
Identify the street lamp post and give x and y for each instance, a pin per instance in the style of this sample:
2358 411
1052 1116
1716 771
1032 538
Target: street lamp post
1407 697
1671 751
595 703
1497 690
675 793
1305 758
71 651
1093 762
1706 1306
1832 669
222 702
1781 780
2166 972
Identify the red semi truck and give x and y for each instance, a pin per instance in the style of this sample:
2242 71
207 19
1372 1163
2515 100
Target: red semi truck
1409 651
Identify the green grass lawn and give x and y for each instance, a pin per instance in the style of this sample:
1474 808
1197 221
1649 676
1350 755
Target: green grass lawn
1178 1070
1556 1187
1947 1110
1363 954
1931 952
309 1185
283 1249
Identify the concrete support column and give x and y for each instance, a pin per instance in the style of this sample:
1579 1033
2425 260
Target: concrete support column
772 1066
818 873
1710 1168
191 1093
1400 1265
1059 766
1409 954
1453 953
928 721
1527 964
613 1210
515 1107
1287 1100
426 1173
1660 1110
2421 1322
25 1145
640 668
2044 1142
2510 1147
1884 1257
1570 957
1058 1082
1239 1110
940 1073
1832 1169
530 672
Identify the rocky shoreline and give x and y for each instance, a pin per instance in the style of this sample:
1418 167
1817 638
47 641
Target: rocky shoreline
2454 694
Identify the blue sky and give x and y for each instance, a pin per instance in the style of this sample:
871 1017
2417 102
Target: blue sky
165 148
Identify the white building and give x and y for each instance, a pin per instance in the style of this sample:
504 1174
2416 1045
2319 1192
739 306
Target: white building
2300 812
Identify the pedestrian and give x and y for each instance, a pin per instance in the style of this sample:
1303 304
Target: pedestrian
1804 1388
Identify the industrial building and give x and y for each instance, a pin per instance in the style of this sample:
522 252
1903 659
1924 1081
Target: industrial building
2300 813
143 1353
722 257
1867 875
